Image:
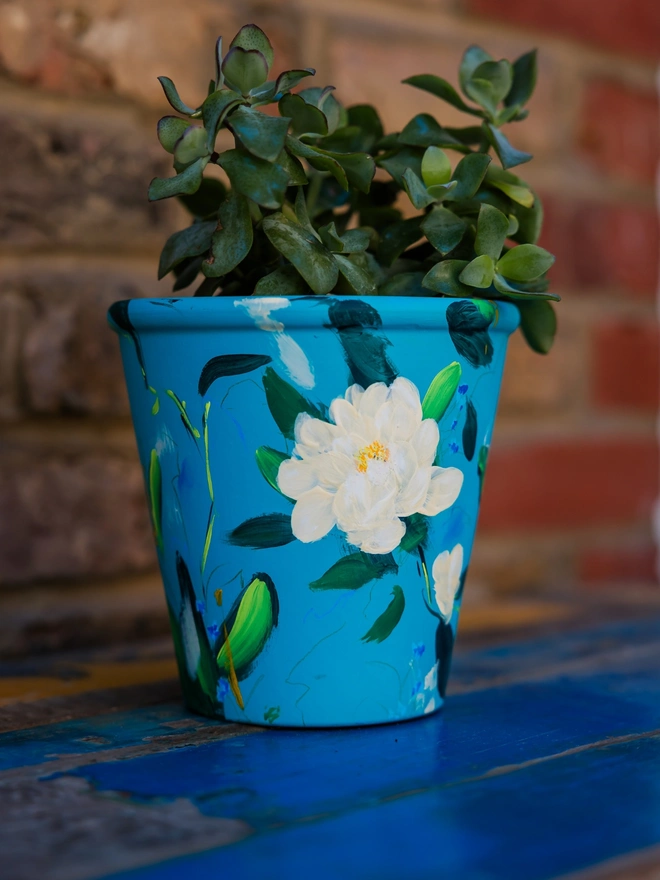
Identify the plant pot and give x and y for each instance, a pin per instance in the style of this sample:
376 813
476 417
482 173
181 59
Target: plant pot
313 538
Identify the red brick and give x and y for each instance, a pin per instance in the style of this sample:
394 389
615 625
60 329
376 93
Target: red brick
565 484
625 365
620 130
628 26
602 245
601 565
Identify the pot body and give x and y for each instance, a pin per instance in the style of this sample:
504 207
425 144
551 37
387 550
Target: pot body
313 526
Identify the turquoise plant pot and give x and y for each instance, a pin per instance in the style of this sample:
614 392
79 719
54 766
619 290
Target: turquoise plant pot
313 468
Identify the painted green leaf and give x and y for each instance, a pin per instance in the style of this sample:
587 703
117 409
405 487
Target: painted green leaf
468 329
440 392
441 89
468 175
397 238
508 155
263 182
286 403
214 111
169 130
443 229
244 69
248 626
314 262
444 278
384 624
305 118
252 37
173 96
232 240
470 431
358 277
354 571
524 80
444 644
190 242
229 365
185 419
207 671
417 192
156 497
262 135
492 230
478 272
417 531
538 323
285 281
206 201
263 532
472 58
358 326
185 183
525 262
424 131
482 461
190 147
268 462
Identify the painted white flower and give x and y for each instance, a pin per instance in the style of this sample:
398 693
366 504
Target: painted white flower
431 678
369 468
446 571
430 706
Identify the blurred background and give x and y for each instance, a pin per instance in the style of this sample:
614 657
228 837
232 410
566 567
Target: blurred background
572 481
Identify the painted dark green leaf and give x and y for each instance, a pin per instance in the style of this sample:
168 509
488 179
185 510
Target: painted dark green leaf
314 262
482 461
538 323
358 326
185 183
232 239
207 670
444 644
244 69
169 130
440 392
214 111
262 532
417 531
443 229
118 314
385 623
268 462
206 201
263 182
468 328
286 403
285 281
441 89
354 571
229 365
156 497
173 96
508 155
261 135
190 242
470 431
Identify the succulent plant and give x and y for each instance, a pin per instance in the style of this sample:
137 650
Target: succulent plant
305 211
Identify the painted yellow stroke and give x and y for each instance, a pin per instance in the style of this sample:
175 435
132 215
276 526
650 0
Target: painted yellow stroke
89 677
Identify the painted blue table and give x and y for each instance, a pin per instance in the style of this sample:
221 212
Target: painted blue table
544 764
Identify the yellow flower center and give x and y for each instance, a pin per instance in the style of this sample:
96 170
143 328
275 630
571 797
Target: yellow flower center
374 451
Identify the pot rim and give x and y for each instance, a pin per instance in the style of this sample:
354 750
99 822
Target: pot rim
226 312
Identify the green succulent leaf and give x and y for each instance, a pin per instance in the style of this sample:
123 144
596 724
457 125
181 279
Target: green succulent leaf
472 58
330 238
190 146
492 229
305 118
444 278
311 258
440 392
286 403
354 571
439 87
360 280
440 191
367 120
268 462
424 131
185 273
530 222
538 323
530 291
263 182
386 622
403 284
436 167
469 174
510 185
252 37
479 272
443 229
397 238
417 192
169 130
215 110
293 167
261 135
185 183
524 80
173 96
508 155
289 79
358 167
232 240
285 281
397 163
489 84
326 101
190 242
354 241
219 78
318 159
244 69
525 262
208 198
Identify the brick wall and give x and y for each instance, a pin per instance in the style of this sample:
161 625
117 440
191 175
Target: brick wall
573 478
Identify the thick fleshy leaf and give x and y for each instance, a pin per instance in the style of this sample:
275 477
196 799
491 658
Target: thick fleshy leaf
262 135
417 192
524 290
510 185
330 238
385 623
444 278
263 532
436 167
525 262
478 272
263 182
366 119
358 326
286 403
219 79
524 80
293 167
472 58
530 222
404 284
252 37
468 174
229 365
443 229
232 239
441 89
492 230
508 155
285 281
244 69
397 238
468 329
397 163
424 131
289 79
318 159
169 130
173 96
208 198
314 262
186 272
326 101
489 84
185 183
358 167
268 462
360 280
190 146
190 242
440 392
354 571
470 431
305 118
538 323
214 111
440 191
354 241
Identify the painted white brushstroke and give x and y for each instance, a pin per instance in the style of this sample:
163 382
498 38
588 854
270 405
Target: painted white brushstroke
295 360
260 307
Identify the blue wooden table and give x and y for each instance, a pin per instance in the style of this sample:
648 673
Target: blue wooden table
545 763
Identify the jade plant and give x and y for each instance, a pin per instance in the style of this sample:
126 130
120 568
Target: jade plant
321 200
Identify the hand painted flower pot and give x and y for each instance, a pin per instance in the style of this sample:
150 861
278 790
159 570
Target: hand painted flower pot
313 468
